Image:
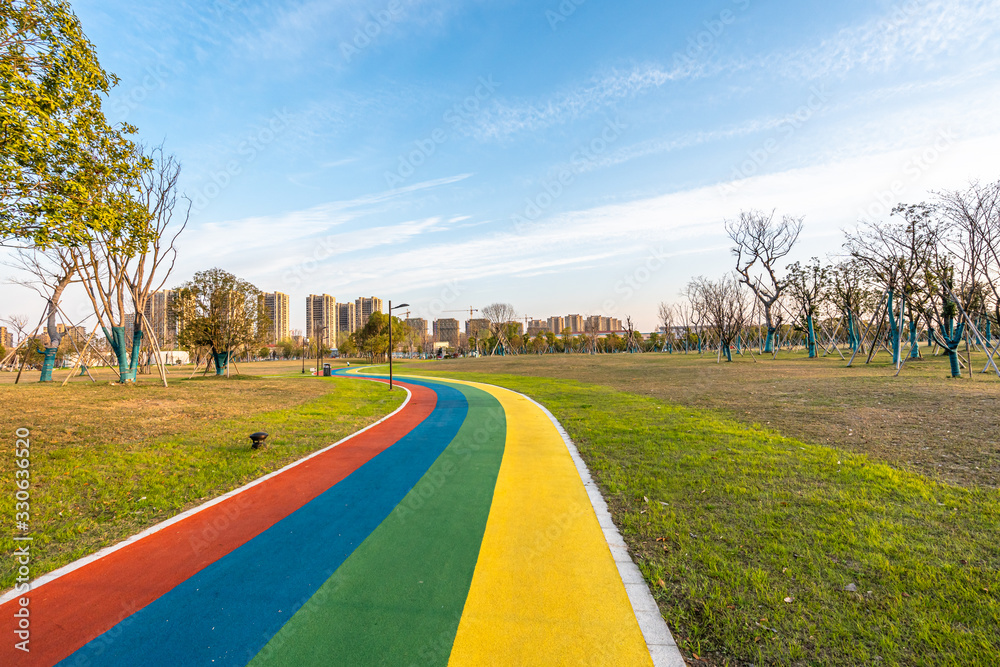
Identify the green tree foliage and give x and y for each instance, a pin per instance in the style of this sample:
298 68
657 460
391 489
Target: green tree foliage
63 170
218 311
372 340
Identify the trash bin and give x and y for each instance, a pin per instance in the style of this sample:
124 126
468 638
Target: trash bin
327 370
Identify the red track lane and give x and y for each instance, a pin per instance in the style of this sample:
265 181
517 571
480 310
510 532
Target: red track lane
83 604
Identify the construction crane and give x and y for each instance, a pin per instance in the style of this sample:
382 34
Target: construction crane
471 311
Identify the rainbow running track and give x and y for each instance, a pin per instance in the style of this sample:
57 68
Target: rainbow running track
463 529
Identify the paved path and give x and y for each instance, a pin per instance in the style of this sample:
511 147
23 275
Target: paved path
457 531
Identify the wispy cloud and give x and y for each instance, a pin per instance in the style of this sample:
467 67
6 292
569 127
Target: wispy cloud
507 118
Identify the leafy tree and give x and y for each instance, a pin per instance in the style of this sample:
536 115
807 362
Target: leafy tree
218 311
64 172
372 340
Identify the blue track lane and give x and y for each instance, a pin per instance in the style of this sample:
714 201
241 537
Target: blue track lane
225 614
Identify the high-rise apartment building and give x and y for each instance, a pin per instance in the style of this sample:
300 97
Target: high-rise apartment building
418 325
276 309
160 316
536 326
321 319
446 330
6 339
479 327
557 324
364 307
575 323
347 318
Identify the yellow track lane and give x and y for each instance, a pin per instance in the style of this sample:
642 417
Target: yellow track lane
546 590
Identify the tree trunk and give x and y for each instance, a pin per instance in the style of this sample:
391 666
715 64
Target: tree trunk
126 366
221 360
893 332
49 364
812 336
914 346
951 342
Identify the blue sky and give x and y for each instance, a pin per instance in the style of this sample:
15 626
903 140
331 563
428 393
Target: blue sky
568 157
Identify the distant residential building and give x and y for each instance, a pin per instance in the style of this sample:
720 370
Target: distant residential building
321 319
364 307
446 330
347 320
477 327
276 308
575 323
129 326
160 317
418 325
6 339
557 324
517 327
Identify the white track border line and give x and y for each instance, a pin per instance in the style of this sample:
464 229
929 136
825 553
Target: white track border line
662 647
86 560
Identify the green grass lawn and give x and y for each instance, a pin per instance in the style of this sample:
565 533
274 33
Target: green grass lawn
750 540
110 461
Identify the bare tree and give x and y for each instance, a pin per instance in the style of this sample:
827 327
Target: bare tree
725 307
501 316
852 295
667 314
975 215
808 286
760 245
125 263
50 272
898 254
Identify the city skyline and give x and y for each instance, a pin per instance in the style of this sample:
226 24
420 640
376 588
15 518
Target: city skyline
592 166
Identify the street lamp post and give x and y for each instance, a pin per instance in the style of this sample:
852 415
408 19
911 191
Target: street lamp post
319 351
402 305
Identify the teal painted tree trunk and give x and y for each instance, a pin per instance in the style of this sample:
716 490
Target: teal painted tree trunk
893 331
739 349
914 345
728 351
851 341
221 361
811 328
951 342
49 364
769 342
128 364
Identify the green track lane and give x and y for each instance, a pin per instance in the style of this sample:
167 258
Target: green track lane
398 599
